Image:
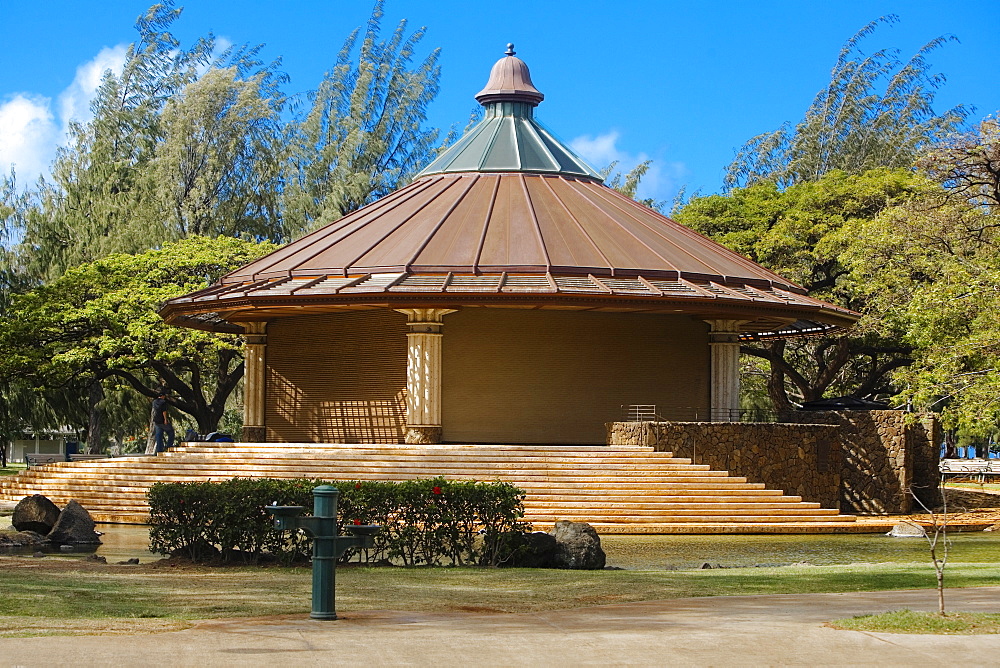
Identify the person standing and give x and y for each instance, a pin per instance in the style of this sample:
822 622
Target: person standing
163 428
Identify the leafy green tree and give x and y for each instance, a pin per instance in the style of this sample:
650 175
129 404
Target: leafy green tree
803 233
875 112
932 268
363 135
99 322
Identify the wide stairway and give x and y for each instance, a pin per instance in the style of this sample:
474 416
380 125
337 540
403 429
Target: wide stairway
616 489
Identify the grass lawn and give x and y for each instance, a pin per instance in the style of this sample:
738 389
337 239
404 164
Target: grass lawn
44 596
11 468
910 621
977 486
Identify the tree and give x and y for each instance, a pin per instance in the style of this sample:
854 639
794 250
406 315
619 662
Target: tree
628 184
362 136
99 200
875 112
968 164
804 233
217 166
941 255
99 322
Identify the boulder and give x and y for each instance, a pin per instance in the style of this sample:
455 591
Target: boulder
907 530
75 526
35 513
10 539
536 550
577 546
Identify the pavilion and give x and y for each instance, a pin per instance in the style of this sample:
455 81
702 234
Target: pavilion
505 296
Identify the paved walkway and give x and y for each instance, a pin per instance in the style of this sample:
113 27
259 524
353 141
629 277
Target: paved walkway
784 630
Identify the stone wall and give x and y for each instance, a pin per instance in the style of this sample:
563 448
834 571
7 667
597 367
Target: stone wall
800 459
886 455
863 462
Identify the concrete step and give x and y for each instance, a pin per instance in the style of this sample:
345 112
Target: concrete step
611 488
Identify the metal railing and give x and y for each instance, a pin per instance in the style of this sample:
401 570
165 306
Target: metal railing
655 413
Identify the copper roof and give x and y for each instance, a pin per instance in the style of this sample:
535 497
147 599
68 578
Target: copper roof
535 232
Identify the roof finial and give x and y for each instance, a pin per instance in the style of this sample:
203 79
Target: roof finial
510 49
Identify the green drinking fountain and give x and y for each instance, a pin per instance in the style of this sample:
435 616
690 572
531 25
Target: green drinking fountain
327 545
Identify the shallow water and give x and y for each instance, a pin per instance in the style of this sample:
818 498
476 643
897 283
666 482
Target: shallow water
658 552
122 542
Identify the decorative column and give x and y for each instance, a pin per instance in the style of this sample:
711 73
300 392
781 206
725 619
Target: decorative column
724 341
423 374
254 382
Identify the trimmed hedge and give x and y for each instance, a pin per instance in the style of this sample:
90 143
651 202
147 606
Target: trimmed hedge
433 522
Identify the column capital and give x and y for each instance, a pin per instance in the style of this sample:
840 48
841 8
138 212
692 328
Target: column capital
725 325
419 316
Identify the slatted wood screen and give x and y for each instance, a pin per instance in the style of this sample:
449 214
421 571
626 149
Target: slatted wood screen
337 378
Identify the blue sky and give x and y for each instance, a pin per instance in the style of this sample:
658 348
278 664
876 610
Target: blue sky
682 83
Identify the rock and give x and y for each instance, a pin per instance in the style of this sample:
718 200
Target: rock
577 546
21 539
35 513
907 530
38 555
705 565
96 558
536 550
75 526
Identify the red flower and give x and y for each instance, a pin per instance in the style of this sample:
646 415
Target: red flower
357 485
357 522
436 490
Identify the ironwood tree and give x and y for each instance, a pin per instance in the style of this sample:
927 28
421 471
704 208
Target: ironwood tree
876 111
363 134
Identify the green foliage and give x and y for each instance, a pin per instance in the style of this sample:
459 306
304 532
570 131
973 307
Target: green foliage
940 257
430 522
805 233
99 321
968 164
217 166
875 112
362 136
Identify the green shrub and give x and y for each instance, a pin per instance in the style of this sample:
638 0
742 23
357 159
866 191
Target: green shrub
432 522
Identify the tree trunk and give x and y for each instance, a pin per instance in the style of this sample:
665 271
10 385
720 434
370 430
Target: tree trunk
95 395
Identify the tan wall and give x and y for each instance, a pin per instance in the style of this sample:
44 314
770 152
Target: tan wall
521 376
337 378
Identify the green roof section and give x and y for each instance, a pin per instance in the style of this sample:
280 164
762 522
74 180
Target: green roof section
509 138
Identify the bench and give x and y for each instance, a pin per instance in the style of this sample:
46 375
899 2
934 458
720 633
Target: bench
977 470
83 458
37 460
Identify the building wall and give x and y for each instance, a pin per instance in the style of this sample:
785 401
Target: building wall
337 378
888 456
802 460
534 376
864 462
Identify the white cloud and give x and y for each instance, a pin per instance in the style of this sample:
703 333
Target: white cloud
74 102
28 135
661 181
32 127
